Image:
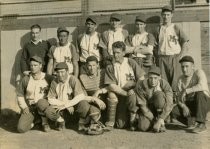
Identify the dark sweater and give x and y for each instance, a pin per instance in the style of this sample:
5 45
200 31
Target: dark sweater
30 49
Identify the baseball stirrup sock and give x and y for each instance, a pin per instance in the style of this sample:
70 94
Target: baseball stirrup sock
111 111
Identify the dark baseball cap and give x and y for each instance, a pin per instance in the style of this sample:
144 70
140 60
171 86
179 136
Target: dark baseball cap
61 65
92 19
186 59
141 18
36 59
167 8
91 58
116 16
154 70
62 29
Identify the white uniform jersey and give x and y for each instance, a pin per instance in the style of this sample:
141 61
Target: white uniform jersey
89 46
114 36
63 54
168 41
36 89
123 72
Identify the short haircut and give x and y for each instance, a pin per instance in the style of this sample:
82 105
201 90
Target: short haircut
119 44
36 26
91 58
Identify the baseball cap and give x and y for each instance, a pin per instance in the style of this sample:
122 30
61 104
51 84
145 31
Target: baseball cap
186 59
92 19
91 58
154 70
61 65
116 16
36 59
62 29
141 18
167 8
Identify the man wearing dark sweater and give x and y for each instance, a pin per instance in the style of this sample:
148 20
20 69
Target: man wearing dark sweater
37 47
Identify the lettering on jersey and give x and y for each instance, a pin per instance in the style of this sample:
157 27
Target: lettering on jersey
129 77
172 38
67 59
44 90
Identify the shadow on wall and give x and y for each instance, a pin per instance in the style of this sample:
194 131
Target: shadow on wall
16 70
9 120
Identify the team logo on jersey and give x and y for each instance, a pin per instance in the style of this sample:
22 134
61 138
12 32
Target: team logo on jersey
129 77
67 59
43 90
172 38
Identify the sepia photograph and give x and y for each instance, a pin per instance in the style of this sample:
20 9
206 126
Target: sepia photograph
104 74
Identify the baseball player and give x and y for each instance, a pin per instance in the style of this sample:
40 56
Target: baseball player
63 52
193 96
172 45
31 96
141 44
66 93
115 33
87 43
121 77
36 46
151 103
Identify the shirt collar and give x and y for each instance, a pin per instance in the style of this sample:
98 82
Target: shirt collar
40 40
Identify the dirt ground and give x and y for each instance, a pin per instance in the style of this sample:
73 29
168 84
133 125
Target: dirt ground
176 137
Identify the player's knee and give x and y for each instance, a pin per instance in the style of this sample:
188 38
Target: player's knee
159 100
42 105
144 124
23 128
112 97
83 108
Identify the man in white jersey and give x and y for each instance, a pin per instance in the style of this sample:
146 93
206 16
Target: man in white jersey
87 43
121 77
172 45
31 94
113 34
141 44
63 52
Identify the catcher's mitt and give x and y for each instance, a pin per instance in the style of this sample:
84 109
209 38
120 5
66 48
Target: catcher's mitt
95 129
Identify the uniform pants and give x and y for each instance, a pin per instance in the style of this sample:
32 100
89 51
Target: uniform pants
199 105
170 68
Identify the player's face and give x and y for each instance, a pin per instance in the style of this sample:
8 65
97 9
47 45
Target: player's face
62 75
118 54
187 68
90 26
92 67
153 79
35 67
167 16
35 34
115 23
140 26
63 38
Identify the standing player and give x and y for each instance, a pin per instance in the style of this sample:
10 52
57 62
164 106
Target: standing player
141 44
121 77
87 43
31 95
66 93
36 46
154 99
193 96
115 33
172 45
63 52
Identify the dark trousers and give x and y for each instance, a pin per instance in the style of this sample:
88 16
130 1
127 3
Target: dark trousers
170 68
199 105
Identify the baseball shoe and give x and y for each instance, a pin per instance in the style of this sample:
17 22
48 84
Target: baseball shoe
46 128
82 127
201 127
192 126
109 126
61 126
